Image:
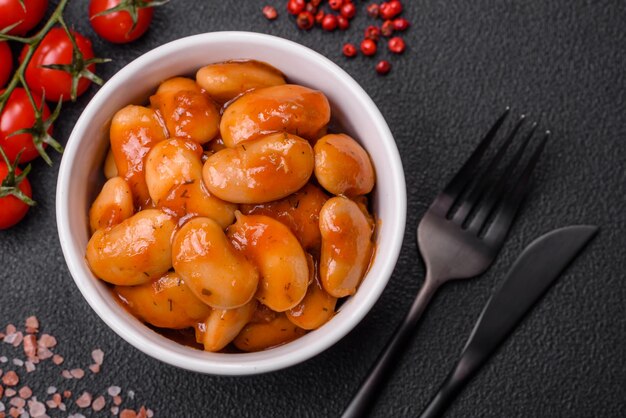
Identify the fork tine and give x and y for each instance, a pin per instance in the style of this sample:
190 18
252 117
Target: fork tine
444 200
479 187
495 194
497 231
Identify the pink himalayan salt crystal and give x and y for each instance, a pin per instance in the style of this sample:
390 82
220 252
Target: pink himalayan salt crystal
51 390
115 410
62 407
30 346
77 373
51 404
30 366
25 392
57 359
128 413
9 392
32 324
1 391
10 338
10 378
95 368
16 412
67 394
36 408
150 413
17 402
43 353
18 362
114 390
98 403
142 412
98 356
18 339
84 400
56 398
117 400
11 329
66 374
3 359
47 341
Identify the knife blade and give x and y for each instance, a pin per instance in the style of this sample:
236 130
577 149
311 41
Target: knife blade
539 265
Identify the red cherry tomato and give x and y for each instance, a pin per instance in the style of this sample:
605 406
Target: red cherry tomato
116 27
11 11
6 63
56 48
18 114
12 209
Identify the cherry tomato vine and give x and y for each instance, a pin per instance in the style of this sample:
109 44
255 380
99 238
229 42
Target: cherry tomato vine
78 68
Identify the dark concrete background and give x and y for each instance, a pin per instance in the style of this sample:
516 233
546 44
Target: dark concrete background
561 61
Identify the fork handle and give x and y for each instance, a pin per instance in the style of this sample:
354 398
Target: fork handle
367 393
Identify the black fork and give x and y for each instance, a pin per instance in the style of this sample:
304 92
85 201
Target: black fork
460 236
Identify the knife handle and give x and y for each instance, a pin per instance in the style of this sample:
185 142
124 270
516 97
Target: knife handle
467 366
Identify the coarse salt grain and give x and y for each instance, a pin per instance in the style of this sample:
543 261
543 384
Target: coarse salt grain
98 404
56 398
17 402
66 374
18 362
57 359
25 392
115 410
76 416
67 394
62 407
51 404
142 412
30 366
47 341
30 346
36 408
77 373
43 353
51 390
18 339
3 359
2 407
131 394
150 413
117 400
9 392
128 413
32 323
114 390
9 338
84 400
95 368
10 378
98 356
1 391
15 412
11 329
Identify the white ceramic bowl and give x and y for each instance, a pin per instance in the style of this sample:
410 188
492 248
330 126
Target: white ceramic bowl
80 178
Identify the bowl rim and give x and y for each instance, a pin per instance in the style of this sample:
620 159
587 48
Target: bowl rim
246 363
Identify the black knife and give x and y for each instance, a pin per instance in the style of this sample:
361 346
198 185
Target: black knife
539 265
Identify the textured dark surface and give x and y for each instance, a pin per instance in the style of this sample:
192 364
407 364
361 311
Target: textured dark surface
563 61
